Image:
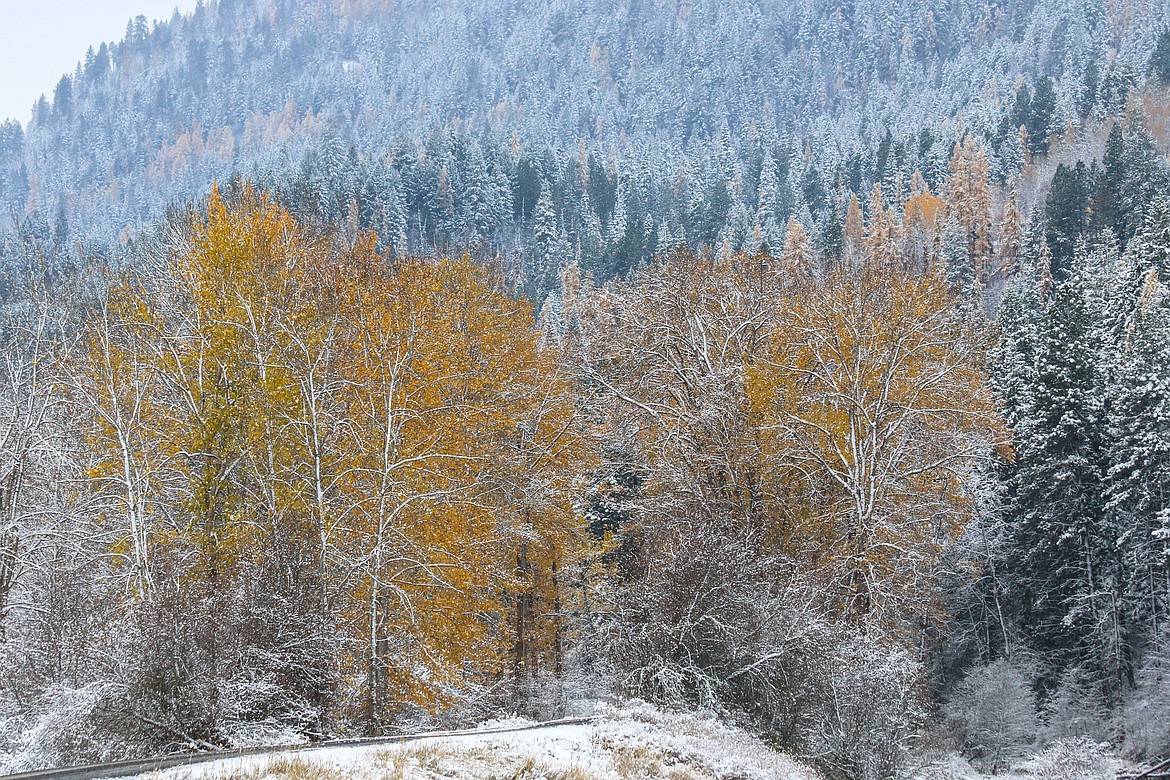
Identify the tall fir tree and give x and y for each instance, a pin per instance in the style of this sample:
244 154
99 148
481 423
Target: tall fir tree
1066 207
1067 574
1160 59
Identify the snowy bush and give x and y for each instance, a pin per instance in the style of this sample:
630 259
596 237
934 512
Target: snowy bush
841 697
679 644
1075 709
65 726
867 710
1073 759
993 714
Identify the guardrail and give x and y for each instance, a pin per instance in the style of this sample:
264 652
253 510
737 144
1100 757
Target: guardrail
159 763
1159 771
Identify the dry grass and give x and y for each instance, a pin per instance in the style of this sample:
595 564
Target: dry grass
682 772
636 761
423 759
281 768
528 768
433 762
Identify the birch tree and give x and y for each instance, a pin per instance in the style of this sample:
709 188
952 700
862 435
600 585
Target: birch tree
871 399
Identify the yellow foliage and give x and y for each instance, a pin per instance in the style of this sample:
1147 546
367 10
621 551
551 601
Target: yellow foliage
873 407
924 211
399 424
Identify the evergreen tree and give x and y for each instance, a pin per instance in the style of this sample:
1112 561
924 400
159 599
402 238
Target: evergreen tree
1160 59
1066 208
480 210
1145 176
395 218
1021 112
1138 487
545 240
1041 116
1065 574
769 214
813 189
1150 248
1091 82
1108 213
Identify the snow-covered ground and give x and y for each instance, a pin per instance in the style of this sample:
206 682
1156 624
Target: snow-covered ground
1070 759
635 741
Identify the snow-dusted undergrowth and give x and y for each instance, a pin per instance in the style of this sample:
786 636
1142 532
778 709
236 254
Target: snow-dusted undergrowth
1077 758
633 741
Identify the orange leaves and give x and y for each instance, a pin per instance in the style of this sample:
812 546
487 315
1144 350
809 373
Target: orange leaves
969 198
395 431
465 442
924 211
840 418
873 406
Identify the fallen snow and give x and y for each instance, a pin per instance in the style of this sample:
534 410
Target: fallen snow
634 741
1075 759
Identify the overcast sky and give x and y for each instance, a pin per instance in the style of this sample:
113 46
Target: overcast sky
41 39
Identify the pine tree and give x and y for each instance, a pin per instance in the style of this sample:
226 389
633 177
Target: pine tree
1066 207
479 207
1146 176
768 215
1108 210
1020 114
443 211
545 240
1138 489
1014 357
1067 573
1042 116
395 217
1091 82
1160 59
1150 248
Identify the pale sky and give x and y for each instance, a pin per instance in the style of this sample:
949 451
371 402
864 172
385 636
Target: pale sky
42 39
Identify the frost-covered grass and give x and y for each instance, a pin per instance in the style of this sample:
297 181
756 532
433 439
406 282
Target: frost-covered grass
1064 759
634 741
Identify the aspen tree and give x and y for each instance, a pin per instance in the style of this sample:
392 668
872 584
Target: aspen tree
873 408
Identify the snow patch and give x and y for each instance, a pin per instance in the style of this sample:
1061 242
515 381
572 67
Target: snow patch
636 740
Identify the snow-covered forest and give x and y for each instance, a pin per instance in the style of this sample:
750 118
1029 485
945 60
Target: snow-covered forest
370 365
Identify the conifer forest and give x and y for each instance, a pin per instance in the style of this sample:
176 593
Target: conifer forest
369 366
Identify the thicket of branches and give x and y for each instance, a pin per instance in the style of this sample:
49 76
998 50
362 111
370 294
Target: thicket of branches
270 484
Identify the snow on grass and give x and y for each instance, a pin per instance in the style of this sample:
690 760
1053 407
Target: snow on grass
640 732
1068 759
633 741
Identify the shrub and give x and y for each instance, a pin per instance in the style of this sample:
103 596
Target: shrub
1073 759
993 713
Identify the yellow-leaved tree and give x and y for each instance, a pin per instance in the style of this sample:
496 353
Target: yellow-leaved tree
465 441
388 444
873 410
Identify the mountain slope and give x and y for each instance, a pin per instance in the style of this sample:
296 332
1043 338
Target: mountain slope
653 93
